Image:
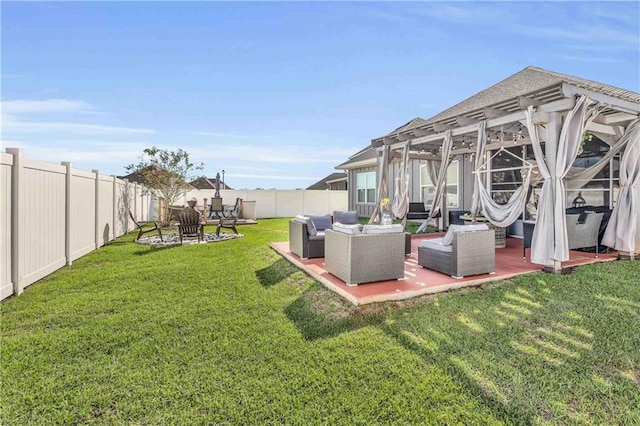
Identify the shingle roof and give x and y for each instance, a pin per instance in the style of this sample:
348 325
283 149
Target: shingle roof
323 183
532 82
527 82
367 153
208 183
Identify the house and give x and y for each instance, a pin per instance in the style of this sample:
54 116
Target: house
508 98
207 183
335 182
601 118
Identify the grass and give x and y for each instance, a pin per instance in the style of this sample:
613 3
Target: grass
229 333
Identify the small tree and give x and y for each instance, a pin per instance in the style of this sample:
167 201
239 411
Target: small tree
166 172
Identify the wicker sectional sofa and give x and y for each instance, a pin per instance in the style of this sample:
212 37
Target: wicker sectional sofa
470 253
363 258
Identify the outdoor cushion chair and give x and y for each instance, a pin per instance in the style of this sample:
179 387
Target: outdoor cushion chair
306 235
464 250
227 223
190 224
232 210
585 234
583 231
374 255
142 231
215 209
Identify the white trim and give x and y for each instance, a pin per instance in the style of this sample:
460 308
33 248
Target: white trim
358 164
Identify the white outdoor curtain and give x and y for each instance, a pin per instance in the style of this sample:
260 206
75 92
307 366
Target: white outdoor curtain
383 188
549 242
400 205
579 177
436 205
503 215
480 151
622 231
447 144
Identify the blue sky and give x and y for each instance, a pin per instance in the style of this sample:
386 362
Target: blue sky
277 94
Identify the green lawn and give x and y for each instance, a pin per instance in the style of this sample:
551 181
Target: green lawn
229 333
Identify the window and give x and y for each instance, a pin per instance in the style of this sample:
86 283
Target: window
428 189
366 187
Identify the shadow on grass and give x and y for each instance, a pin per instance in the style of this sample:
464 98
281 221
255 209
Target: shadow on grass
320 314
278 271
153 250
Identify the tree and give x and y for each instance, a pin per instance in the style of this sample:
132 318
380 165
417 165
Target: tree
166 172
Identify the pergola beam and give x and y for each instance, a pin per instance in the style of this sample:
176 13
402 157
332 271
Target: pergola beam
441 127
466 121
494 112
540 117
524 102
621 105
619 117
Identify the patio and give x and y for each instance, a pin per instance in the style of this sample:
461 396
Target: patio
419 281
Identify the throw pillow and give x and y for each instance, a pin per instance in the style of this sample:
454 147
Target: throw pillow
346 229
382 229
348 218
322 222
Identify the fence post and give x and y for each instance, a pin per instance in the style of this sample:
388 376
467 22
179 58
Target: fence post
17 172
97 207
115 206
67 212
135 201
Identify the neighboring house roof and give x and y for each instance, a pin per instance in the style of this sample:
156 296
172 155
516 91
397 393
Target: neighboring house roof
208 183
136 177
361 158
324 182
532 82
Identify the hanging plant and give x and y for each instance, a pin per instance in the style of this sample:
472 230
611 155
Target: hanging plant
586 137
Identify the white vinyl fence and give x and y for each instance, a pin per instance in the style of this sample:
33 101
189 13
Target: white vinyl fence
279 202
52 214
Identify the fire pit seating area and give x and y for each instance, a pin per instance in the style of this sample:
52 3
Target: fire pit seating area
375 253
307 233
464 250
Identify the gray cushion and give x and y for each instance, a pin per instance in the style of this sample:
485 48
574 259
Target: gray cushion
311 229
322 222
347 218
319 236
382 229
347 229
447 240
436 244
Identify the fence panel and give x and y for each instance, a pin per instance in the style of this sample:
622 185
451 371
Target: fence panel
42 224
337 200
82 213
105 210
6 284
288 203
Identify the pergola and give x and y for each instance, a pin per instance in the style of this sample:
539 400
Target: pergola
542 114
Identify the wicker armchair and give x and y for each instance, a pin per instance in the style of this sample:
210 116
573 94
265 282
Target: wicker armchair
303 244
583 235
471 253
364 258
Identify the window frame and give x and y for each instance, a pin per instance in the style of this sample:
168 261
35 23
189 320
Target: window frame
366 187
447 184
